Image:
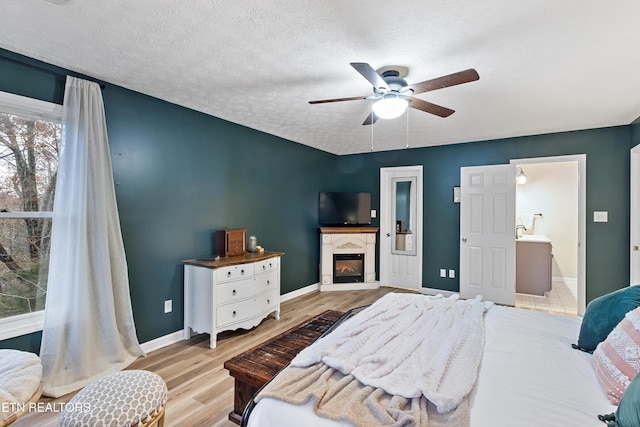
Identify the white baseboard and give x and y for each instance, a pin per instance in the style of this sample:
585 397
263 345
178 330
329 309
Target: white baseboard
299 292
432 291
567 280
163 341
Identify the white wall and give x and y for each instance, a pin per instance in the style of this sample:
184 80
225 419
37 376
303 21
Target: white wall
552 189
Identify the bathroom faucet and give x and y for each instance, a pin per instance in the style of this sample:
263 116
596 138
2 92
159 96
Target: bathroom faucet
519 229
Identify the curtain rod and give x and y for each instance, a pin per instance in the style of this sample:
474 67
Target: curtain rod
41 69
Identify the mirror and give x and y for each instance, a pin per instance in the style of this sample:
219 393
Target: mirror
404 194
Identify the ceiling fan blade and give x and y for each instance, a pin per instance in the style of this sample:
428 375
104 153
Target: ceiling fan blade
454 79
428 107
370 74
353 98
371 119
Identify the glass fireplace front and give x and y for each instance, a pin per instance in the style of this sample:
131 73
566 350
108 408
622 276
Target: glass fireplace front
348 268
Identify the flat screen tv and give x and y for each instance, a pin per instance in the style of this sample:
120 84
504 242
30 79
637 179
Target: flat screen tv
344 208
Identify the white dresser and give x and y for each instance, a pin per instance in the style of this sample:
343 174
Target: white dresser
231 293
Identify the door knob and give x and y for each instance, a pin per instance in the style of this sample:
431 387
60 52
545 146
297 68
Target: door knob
464 240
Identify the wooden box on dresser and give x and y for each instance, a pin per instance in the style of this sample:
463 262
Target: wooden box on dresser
230 293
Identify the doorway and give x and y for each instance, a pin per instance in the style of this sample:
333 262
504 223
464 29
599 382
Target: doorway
401 226
550 207
466 271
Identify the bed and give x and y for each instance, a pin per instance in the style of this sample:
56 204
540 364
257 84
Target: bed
529 375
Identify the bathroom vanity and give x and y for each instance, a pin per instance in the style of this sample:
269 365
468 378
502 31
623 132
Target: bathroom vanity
533 264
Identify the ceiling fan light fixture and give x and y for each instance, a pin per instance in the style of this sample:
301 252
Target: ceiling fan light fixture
390 107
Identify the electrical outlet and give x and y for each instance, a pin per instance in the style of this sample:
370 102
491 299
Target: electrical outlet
443 272
168 306
452 274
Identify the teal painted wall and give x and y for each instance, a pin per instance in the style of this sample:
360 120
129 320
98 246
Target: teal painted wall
635 134
180 175
607 153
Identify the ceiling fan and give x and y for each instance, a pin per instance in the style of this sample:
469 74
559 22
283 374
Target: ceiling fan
393 95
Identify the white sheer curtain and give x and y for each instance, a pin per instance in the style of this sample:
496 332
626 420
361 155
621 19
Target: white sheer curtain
88 328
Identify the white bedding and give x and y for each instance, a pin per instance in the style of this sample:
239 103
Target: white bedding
529 377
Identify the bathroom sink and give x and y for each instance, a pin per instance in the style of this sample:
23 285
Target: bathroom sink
534 238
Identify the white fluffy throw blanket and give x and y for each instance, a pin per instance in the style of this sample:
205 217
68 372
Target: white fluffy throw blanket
409 345
20 376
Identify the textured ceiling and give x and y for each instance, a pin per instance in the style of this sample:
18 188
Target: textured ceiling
545 66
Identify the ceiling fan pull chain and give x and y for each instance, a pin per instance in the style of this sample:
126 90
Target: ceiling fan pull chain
407 113
372 137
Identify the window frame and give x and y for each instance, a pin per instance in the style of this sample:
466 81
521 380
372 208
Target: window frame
22 324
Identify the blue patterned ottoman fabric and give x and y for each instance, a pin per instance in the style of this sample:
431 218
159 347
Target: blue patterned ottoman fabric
125 398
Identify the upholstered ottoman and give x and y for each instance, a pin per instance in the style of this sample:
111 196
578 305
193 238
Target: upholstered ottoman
126 398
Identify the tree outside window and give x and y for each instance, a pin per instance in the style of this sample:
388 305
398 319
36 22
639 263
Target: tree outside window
28 166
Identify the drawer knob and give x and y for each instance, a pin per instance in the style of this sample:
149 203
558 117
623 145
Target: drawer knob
242 272
264 267
234 292
234 313
268 301
229 274
270 265
268 282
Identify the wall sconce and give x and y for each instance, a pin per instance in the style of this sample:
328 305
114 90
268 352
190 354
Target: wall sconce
521 177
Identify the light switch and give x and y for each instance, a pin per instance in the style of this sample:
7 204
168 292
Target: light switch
373 213
600 216
443 272
452 274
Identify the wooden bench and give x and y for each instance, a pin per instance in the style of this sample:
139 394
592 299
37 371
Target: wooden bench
253 368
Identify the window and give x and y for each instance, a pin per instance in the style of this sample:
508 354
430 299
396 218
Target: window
29 146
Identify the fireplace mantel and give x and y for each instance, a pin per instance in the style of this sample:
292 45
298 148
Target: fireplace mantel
347 240
348 230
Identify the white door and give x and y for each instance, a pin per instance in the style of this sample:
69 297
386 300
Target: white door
401 227
487 233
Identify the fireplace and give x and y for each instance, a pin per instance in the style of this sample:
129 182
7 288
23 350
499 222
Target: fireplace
348 268
348 258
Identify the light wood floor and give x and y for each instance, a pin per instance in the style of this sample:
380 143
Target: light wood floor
200 389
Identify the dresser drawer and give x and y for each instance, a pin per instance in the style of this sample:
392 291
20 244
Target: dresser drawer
234 272
266 282
267 265
237 290
246 309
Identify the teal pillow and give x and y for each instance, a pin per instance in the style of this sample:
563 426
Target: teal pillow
603 314
628 412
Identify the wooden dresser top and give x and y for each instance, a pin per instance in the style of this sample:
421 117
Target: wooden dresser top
232 260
